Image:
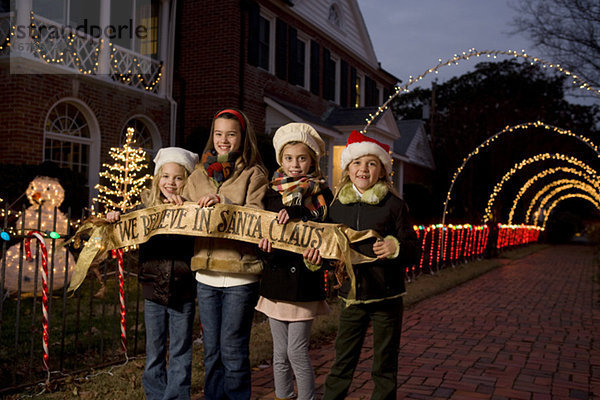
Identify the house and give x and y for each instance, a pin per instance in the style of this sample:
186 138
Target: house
78 74
280 61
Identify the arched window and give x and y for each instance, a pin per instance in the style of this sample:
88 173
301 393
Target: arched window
72 139
146 135
67 138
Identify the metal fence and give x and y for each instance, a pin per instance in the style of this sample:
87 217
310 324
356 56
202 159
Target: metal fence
43 327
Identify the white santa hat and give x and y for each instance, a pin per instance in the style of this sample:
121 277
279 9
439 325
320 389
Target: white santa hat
298 132
360 145
175 155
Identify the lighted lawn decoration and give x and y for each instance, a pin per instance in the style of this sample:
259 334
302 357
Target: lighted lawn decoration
45 195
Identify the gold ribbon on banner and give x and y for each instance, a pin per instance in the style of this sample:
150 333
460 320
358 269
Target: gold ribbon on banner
220 221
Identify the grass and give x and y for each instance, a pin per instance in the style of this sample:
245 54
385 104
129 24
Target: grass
124 381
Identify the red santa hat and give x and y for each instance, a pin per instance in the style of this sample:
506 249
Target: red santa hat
360 145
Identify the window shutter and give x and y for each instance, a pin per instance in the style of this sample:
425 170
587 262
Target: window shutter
344 84
281 50
314 67
293 57
352 87
253 33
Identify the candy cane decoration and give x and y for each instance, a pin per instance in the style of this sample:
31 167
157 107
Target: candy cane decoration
122 300
45 323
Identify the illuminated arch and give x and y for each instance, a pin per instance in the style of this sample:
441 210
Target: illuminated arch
510 129
466 55
568 196
540 157
543 174
559 186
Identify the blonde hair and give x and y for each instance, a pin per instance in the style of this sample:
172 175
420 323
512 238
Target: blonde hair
315 167
153 196
250 155
346 178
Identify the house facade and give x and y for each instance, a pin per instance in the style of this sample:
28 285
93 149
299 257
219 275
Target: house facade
280 61
78 73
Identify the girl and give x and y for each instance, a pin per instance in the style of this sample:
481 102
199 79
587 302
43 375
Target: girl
365 199
292 292
230 172
167 285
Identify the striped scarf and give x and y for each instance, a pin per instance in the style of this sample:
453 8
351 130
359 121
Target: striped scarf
219 167
305 191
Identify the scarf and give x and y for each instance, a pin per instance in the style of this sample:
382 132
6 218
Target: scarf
219 167
304 191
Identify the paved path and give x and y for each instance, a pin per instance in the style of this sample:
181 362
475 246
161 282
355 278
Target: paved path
527 330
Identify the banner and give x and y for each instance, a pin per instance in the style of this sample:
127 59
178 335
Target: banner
219 221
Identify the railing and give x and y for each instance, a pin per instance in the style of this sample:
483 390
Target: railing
79 52
84 328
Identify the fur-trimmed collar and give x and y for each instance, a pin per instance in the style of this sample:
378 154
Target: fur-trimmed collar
373 195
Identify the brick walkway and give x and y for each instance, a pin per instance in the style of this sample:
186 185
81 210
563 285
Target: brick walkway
522 331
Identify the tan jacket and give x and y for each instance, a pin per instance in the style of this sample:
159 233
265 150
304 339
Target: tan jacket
246 187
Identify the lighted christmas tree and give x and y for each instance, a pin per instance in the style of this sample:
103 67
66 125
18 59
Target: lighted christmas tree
126 180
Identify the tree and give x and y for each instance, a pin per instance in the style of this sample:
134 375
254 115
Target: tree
567 30
124 179
477 105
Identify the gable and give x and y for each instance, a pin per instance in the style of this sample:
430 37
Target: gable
346 26
419 151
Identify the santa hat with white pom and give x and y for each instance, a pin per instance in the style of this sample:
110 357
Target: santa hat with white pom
360 145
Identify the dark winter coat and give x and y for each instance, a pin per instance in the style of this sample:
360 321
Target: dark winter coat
387 214
285 276
165 272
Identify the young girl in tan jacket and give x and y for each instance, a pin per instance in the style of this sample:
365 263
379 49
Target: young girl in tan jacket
230 172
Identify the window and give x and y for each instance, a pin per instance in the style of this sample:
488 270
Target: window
298 56
143 136
329 76
136 24
67 138
355 88
264 41
315 63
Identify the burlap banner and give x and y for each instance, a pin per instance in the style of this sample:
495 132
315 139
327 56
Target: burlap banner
221 221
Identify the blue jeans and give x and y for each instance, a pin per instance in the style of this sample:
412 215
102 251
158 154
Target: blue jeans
226 315
160 320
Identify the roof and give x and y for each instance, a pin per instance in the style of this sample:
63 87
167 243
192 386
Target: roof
351 116
408 129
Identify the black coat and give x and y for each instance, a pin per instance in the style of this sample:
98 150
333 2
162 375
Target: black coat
165 272
380 279
285 276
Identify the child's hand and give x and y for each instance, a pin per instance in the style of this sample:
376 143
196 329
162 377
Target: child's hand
313 256
384 248
113 216
265 245
209 200
175 199
283 216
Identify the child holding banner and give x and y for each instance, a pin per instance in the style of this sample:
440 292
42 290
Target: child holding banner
365 199
167 285
292 289
230 172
